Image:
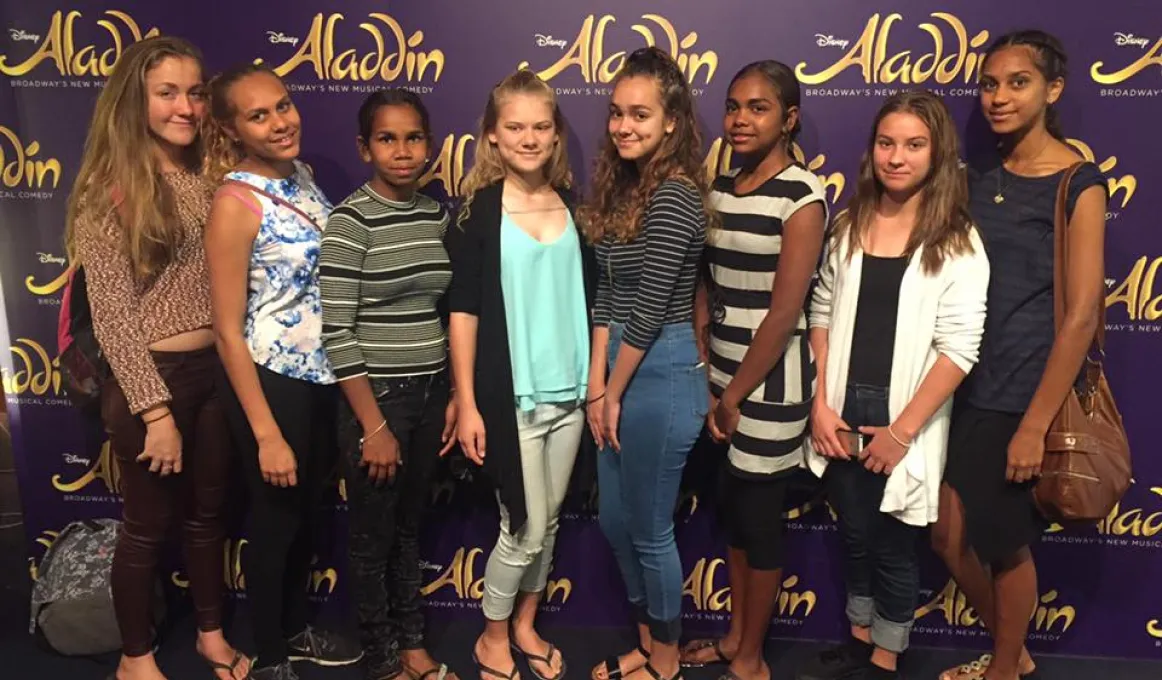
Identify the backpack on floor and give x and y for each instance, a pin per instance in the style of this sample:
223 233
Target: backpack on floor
72 599
83 367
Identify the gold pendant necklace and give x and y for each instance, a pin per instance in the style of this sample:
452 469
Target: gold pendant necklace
1000 195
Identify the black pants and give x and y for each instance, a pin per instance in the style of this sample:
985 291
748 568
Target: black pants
384 520
882 570
277 559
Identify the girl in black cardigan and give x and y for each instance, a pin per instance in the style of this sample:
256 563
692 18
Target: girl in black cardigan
518 256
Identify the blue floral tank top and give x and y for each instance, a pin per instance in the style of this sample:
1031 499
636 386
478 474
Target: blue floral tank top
284 315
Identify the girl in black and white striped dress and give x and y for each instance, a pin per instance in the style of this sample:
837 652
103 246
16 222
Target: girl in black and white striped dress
753 333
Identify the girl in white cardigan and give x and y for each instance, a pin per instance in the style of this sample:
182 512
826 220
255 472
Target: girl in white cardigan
896 322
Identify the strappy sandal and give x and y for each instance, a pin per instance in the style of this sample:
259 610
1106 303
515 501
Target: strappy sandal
613 665
546 659
440 672
973 670
216 666
658 676
511 675
697 646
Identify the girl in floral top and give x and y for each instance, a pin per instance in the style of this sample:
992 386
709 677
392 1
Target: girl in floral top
262 246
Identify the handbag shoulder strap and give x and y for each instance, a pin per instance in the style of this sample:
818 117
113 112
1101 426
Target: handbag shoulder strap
1061 261
277 199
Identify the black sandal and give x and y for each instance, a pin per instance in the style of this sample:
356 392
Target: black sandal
511 675
216 666
547 660
658 676
719 656
613 665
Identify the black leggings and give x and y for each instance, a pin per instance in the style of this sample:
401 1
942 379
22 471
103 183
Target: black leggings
277 559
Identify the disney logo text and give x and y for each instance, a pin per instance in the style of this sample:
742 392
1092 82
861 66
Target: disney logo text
71 459
831 41
49 258
550 41
278 37
1123 39
21 35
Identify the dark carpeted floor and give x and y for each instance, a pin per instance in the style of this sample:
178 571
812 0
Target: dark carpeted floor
22 659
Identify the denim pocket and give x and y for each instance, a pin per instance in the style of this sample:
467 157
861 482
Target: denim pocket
700 389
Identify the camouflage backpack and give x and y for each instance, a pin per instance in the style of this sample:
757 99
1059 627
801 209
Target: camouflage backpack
72 599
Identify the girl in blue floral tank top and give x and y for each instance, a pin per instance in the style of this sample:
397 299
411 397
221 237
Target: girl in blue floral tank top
262 248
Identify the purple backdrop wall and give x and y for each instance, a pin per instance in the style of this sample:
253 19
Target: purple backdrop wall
1097 595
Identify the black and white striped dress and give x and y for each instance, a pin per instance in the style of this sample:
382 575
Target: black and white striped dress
744 256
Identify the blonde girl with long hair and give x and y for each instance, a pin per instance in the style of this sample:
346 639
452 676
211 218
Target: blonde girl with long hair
135 221
519 333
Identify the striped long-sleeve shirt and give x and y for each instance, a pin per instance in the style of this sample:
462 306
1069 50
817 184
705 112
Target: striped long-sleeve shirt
382 272
650 281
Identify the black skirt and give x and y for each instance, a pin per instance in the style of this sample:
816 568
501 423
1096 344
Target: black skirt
1000 517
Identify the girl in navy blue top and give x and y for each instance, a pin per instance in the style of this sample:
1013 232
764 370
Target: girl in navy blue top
987 517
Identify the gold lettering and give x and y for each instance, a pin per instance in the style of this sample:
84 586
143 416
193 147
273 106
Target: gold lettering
48 288
449 166
1154 629
688 63
699 585
788 602
460 574
37 376
588 51
403 59
953 605
1137 292
46 539
60 47
563 586
320 577
1127 184
1151 58
105 469
578 53
23 170
870 54
232 565
1131 523
1044 617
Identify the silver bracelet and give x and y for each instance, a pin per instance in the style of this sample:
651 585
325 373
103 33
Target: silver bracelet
373 433
898 441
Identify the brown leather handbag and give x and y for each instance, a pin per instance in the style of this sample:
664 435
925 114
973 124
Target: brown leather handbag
1086 468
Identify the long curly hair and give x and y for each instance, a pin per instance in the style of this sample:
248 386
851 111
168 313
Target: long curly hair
943 223
620 192
119 169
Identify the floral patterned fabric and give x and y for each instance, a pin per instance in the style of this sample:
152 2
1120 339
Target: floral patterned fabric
284 315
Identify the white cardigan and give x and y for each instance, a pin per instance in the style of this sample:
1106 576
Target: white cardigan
940 314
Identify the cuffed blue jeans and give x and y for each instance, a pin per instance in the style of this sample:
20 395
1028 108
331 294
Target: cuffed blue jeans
881 564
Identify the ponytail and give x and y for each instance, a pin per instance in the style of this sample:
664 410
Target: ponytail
223 154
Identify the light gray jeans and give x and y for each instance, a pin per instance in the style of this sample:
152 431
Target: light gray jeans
550 436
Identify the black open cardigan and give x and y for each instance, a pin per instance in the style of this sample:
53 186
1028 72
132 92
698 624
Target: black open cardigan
473 245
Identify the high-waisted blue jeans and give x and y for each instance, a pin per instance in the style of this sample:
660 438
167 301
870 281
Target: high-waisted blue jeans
662 412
